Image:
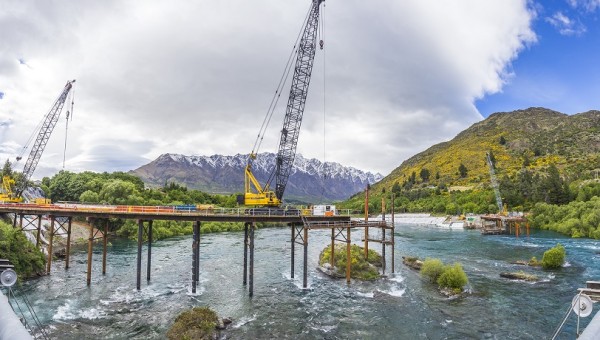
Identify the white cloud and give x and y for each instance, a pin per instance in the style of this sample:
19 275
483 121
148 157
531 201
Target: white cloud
196 77
565 25
588 5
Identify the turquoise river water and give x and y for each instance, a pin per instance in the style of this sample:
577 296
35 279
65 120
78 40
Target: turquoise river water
401 306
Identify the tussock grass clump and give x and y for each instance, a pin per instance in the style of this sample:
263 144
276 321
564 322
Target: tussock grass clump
198 323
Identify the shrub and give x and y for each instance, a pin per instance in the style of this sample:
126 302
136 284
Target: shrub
554 257
198 323
432 269
453 277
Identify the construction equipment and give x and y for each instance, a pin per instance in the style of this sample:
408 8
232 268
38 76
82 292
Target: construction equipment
35 154
254 193
495 186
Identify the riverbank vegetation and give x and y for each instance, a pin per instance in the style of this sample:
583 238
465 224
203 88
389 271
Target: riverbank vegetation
14 246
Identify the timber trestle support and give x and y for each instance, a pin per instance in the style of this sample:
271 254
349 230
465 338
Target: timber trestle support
58 221
59 226
340 232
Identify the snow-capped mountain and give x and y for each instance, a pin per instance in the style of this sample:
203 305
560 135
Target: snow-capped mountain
310 180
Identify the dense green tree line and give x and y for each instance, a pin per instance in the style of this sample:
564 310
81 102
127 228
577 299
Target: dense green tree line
119 188
429 200
577 219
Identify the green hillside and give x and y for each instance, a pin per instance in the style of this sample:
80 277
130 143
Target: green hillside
530 142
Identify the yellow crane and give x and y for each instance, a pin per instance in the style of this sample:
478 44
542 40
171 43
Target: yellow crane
259 195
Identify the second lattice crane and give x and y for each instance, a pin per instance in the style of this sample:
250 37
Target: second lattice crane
11 195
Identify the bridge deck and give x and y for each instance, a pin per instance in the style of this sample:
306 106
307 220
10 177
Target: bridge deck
163 213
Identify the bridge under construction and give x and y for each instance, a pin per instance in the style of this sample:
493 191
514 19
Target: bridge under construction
29 217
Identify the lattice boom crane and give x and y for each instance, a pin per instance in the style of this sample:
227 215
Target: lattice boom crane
292 121
39 145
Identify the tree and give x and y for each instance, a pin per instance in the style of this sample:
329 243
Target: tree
424 174
462 170
502 140
526 161
7 169
117 191
89 196
432 269
396 188
453 277
554 257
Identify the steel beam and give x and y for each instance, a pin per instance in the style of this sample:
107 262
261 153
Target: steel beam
332 257
305 265
39 231
195 242
251 276
68 250
293 248
52 219
89 258
139 255
104 246
246 234
149 264
348 257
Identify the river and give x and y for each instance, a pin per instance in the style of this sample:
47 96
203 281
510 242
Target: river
401 306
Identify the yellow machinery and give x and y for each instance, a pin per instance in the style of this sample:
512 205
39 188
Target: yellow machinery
258 196
7 196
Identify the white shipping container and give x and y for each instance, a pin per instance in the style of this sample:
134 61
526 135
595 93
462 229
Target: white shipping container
324 210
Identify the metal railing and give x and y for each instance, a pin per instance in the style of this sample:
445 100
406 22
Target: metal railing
184 210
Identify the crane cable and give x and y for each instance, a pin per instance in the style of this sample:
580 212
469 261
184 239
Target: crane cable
277 95
69 115
321 43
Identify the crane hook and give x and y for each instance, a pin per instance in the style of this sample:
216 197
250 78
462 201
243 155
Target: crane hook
321 43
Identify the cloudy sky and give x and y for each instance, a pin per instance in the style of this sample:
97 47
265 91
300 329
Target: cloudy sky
196 77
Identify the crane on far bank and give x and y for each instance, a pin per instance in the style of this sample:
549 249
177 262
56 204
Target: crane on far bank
495 186
256 194
47 126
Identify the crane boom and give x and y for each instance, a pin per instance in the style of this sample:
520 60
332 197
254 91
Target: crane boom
292 121
42 138
297 100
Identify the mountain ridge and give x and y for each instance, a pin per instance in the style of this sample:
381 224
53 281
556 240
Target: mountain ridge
225 174
532 138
